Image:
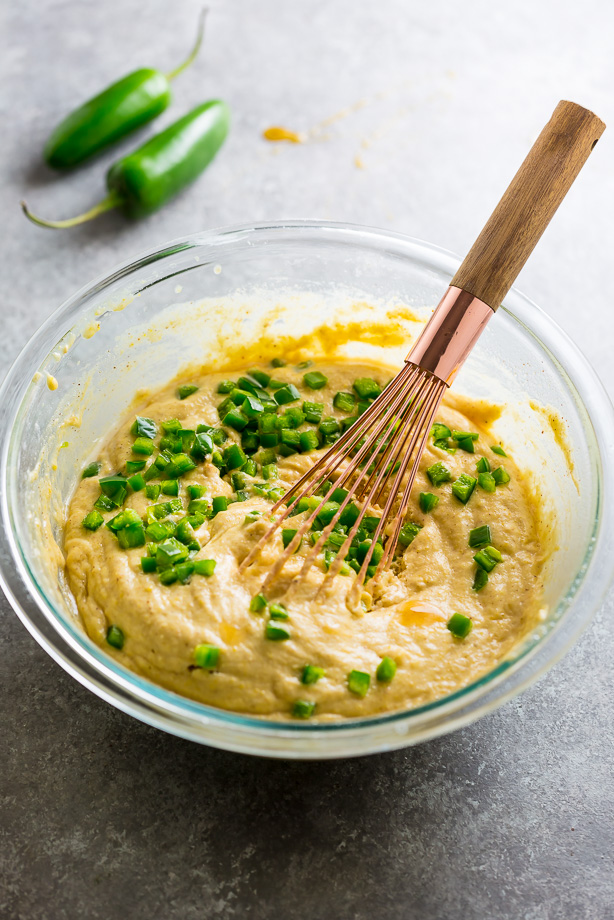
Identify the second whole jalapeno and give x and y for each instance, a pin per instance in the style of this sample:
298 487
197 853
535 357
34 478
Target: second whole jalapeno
144 180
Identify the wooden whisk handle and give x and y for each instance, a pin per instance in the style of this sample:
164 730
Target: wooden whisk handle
529 203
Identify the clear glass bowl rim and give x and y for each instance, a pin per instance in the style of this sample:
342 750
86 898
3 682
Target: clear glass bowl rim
189 719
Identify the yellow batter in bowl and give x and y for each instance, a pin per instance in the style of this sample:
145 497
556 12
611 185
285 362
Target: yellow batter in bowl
205 637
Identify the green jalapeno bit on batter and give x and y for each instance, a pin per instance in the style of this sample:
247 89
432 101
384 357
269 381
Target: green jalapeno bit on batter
386 669
487 482
93 520
439 431
501 476
258 603
311 674
428 502
276 633
303 709
345 402
463 487
286 394
408 533
115 637
480 535
438 474
367 388
278 612
359 682
204 567
314 380
206 656
459 625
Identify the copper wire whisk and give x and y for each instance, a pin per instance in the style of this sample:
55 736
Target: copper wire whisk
374 463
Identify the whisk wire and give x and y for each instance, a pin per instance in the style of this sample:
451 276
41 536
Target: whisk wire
311 486
331 460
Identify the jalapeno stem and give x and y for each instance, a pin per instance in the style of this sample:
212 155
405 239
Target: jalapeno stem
194 52
107 204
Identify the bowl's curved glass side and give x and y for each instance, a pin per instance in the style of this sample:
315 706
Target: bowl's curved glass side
103 336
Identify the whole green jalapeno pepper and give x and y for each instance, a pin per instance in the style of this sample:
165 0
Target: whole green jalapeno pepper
131 102
144 180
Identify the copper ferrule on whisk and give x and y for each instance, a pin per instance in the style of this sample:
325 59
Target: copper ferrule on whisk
450 334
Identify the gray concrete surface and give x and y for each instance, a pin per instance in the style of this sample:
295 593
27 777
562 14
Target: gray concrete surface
101 817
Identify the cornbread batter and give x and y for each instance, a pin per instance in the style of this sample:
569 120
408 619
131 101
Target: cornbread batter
208 636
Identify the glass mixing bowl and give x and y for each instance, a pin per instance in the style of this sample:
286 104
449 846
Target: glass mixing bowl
142 324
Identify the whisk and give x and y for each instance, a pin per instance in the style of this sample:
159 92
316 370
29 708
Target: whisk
374 463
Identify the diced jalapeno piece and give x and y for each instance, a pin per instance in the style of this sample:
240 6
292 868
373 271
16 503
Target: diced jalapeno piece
186 390
144 427
287 535
234 457
408 533
143 447
219 503
480 535
303 709
314 380
206 656
485 561
115 637
290 440
487 482
345 402
459 625
286 394
386 669
236 419
184 571
439 431
367 388
466 444
501 476
358 682
93 520
92 469
438 474
202 445
132 535
171 426
278 612
329 426
463 487
257 603
112 485
313 411
170 552
428 502
311 674
136 482
276 633
204 567
309 440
